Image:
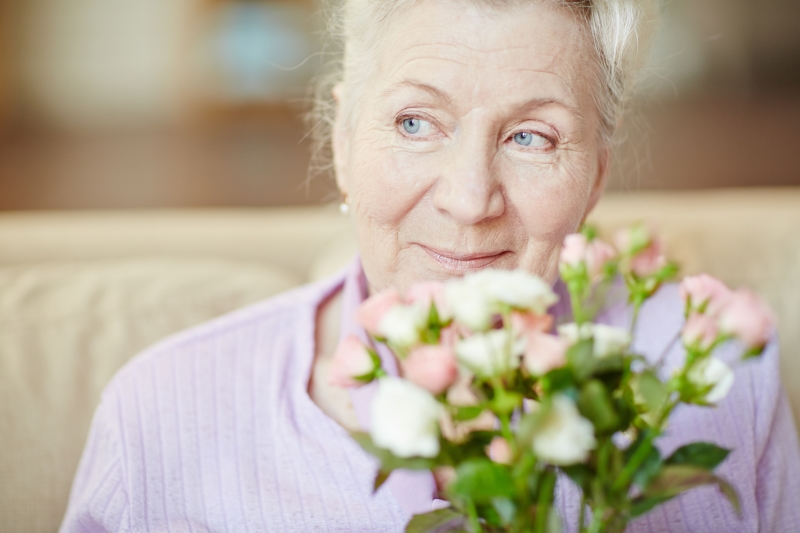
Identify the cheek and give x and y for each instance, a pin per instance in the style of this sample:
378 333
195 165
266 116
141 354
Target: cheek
552 201
385 187
385 184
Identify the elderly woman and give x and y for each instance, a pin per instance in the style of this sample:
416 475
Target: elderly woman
467 134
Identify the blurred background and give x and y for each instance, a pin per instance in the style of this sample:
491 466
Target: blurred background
178 103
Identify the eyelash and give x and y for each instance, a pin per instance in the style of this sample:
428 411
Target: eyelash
547 148
398 124
400 119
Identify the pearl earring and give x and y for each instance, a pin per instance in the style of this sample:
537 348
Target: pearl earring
344 207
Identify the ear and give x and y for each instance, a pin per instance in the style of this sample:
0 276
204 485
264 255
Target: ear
340 141
601 179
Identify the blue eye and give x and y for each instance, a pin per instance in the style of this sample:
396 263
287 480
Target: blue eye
411 125
524 138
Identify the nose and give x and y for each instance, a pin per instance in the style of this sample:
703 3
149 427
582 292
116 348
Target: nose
469 190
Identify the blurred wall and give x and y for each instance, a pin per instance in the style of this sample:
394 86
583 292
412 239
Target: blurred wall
134 103
100 63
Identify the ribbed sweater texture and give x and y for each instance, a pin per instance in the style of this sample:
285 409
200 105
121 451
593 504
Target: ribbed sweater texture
213 430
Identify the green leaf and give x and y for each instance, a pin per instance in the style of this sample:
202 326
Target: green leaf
607 365
506 509
649 468
554 524
581 359
468 412
702 454
580 474
676 479
506 401
439 521
454 453
557 380
589 231
481 481
650 390
380 479
388 460
751 353
643 504
594 402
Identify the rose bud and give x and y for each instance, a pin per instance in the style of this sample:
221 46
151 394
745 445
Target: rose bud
650 260
711 372
371 312
544 353
700 330
423 294
745 316
500 451
525 323
574 250
632 240
352 364
598 254
432 367
704 292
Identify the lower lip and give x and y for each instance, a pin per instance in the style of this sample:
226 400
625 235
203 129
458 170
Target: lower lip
461 265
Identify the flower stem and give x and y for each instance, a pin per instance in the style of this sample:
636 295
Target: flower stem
633 465
544 503
637 306
472 515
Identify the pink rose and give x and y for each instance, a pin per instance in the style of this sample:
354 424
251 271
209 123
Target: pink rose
574 250
374 308
632 239
500 451
432 367
525 323
704 292
597 255
650 260
700 330
423 294
745 316
352 364
543 353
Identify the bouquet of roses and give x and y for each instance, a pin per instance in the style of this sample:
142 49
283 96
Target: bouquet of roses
499 397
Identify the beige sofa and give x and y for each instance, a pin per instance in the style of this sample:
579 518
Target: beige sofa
82 292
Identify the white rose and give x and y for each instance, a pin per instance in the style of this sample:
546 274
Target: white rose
515 288
469 304
489 354
712 372
564 437
402 323
571 333
405 419
608 340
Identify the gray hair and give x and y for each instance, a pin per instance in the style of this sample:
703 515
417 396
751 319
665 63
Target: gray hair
620 30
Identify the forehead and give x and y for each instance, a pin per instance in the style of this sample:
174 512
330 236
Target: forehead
477 52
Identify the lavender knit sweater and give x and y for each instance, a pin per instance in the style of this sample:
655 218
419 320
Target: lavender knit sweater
212 430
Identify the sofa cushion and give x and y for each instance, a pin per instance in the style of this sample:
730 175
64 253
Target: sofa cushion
65 329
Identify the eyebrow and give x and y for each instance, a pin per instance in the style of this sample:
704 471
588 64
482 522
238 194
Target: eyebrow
441 95
430 89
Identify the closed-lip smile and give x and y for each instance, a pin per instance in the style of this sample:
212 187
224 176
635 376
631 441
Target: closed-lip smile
462 262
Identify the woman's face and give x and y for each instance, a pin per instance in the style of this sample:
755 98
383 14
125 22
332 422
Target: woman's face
474 143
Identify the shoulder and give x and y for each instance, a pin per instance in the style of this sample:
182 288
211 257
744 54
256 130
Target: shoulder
257 350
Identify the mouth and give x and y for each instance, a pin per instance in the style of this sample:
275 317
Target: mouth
462 262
